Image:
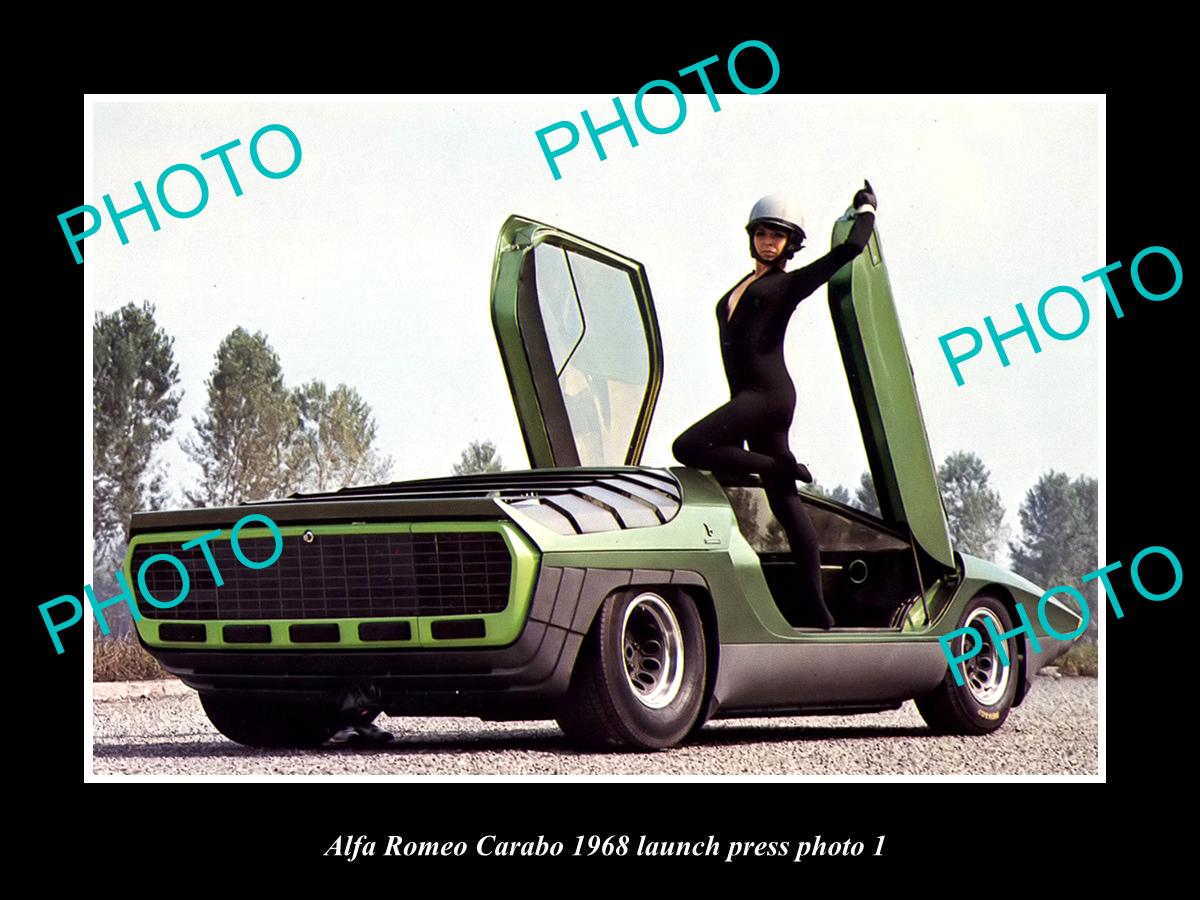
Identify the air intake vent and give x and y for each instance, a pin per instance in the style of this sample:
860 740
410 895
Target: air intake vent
336 576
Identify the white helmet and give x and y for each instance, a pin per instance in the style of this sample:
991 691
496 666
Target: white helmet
779 211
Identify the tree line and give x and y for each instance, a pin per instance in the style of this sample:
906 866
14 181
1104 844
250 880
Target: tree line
257 437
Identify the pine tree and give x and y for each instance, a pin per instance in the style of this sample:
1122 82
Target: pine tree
333 447
865 497
245 441
134 407
973 507
479 457
1058 541
839 494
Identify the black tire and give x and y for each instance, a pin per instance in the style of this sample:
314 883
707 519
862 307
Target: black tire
981 704
273 723
639 681
701 721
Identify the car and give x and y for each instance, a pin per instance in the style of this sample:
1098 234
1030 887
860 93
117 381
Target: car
631 603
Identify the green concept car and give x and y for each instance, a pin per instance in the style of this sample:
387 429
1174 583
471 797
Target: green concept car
630 603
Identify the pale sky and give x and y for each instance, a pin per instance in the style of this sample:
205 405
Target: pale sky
371 263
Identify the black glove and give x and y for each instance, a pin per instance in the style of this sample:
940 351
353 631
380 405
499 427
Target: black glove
865 196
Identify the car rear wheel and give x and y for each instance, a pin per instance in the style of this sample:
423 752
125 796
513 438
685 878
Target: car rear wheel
982 702
639 680
255 722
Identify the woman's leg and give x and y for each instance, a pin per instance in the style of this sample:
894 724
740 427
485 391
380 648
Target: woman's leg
715 442
789 510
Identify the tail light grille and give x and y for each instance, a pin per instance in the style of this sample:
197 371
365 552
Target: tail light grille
335 576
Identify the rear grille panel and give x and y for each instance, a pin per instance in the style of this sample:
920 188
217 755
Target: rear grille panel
336 576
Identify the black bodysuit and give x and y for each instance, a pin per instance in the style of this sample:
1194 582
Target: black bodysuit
763 401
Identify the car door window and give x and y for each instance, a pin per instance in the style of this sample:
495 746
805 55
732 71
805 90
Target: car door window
598 347
869 574
835 531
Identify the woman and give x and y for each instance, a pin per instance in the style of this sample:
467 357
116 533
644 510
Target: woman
752 319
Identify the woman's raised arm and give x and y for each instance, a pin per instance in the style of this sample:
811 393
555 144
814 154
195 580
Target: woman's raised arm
804 281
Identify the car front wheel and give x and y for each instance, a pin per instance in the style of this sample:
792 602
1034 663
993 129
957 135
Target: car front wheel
639 680
982 702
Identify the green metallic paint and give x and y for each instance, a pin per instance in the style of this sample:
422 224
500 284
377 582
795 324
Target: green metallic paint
938 599
702 498
926 609
516 234
501 628
982 570
981 574
746 610
518 237
885 395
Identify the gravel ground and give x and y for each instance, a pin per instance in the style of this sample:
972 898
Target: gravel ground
1053 732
